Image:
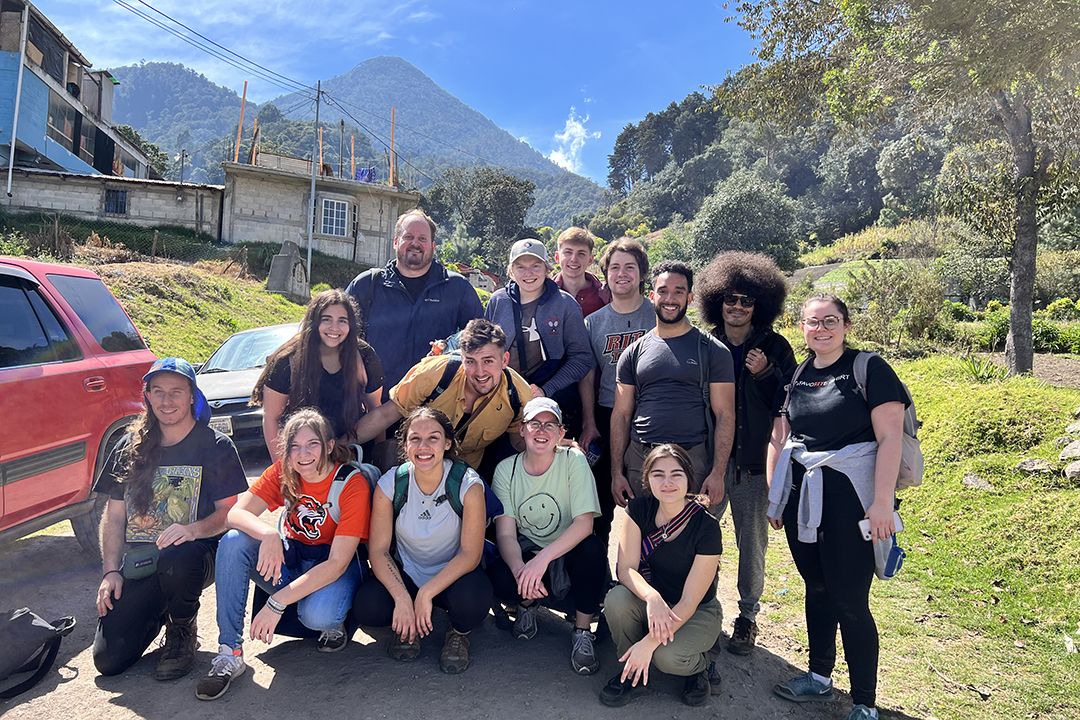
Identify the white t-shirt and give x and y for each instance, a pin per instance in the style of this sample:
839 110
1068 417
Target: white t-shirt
428 531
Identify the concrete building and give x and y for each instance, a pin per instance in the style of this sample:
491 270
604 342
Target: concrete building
64 108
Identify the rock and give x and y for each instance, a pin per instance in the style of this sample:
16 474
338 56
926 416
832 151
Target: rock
1072 470
972 480
1073 429
1071 451
1076 413
1035 465
1062 441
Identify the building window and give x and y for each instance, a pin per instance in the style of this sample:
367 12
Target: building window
61 125
86 142
333 217
124 163
116 202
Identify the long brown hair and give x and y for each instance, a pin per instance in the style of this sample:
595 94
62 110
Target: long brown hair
307 418
305 365
142 458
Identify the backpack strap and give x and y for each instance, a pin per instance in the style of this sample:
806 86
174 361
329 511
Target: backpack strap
791 384
511 391
862 360
42 661
401 488
453 364
344 474
703 382
453 486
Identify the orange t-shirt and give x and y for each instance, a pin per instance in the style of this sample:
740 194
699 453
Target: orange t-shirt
310 521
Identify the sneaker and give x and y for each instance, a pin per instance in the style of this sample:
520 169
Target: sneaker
696 689
404 651
524 627
332 640
583 656
502 620
178 654
805 688
743 637
455 652
716 683
617 692
861 712
226 667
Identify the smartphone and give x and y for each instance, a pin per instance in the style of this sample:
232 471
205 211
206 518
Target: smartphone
864 526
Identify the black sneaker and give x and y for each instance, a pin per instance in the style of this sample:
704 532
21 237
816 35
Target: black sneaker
743 636
696 690
716 683
617 692
332 640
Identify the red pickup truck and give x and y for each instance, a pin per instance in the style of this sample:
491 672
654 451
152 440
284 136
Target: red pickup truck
71 367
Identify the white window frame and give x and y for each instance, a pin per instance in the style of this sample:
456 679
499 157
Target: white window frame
334 216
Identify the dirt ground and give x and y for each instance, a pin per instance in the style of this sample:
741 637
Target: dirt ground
1054 369
507 678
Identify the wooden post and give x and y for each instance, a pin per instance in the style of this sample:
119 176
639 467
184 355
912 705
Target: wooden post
393 159
56 234
240 127
153 250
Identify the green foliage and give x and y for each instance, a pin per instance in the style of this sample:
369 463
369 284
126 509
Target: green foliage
893 299
484 296
958 311
747 214
674 243
995 327
1069 338
1057 275
13 243
1061 309
796 297
159 161
983 369
318 288
1045 335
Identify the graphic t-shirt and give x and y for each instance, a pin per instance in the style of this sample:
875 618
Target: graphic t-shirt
331 386
610 333
529 339
667 379
827 411
191 476
427 530
309 521
545 505
671 560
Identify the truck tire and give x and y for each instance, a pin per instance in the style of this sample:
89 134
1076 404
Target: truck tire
87 526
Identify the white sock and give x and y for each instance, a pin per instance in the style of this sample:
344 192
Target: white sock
873 712
826 681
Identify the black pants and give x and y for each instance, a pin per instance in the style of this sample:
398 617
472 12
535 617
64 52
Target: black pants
586 564
466 601
144 606
838 570
602 476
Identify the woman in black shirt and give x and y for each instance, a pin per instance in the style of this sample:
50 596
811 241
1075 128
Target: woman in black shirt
664 611
325 366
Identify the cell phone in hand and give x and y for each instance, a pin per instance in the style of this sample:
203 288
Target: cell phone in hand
864 526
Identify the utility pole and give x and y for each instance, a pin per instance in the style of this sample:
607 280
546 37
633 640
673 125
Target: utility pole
18 94
341 152
315 146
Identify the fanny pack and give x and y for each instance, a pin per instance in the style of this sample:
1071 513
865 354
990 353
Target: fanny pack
140 561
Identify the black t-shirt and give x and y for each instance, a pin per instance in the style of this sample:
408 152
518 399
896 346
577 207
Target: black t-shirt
415 285
672 559
192 475
331 386
827 411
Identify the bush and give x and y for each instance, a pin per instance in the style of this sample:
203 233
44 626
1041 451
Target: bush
316 289
995 327
1045 335
1062 309
1069 339
958 311
484 296
13 243
893 299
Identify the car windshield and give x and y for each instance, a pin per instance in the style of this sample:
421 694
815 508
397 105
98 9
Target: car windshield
248 350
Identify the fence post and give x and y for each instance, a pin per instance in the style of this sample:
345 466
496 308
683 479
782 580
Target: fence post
56 234
153 250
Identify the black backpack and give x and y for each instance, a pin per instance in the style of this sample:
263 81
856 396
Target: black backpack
30 644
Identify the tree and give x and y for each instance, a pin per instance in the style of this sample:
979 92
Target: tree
1011 66
159 161
745 213
624 170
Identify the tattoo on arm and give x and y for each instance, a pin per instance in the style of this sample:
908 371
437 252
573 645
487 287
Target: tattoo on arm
392 567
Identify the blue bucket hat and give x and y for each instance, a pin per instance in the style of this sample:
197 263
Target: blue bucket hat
200 410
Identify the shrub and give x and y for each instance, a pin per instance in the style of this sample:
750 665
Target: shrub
13 243
995 327
316 289
1044 335
894 299
1062 309
1069 339
958 311
484 296
994 305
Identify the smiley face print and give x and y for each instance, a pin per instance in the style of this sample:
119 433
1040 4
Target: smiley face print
541 514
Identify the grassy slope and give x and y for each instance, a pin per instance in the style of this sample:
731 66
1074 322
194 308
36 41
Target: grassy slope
188 312
974 626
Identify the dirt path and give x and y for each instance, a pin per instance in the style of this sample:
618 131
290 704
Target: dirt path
1055 369
507 679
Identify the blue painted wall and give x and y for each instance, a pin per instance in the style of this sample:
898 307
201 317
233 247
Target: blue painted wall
33 115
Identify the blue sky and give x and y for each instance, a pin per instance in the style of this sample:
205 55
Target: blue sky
564 76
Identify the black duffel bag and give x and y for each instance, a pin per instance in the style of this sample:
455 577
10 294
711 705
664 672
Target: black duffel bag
29 644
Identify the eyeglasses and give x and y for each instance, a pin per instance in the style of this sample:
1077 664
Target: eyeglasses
745 300
549 426
831 322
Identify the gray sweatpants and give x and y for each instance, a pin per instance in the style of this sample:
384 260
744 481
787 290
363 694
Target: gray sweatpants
749 500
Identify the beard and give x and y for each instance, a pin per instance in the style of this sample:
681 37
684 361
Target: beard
678 316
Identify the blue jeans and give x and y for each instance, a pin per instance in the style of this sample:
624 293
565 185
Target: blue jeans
237 559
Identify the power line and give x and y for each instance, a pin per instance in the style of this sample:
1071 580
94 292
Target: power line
373 134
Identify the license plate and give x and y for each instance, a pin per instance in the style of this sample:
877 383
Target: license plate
222 424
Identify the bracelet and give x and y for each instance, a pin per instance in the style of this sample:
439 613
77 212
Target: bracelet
275 606
110 572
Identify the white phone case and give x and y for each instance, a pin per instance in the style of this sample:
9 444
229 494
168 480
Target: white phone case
864 526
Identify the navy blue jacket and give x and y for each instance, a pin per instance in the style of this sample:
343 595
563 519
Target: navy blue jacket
399 329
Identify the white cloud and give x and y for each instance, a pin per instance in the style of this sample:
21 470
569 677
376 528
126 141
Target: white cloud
570 142
422 16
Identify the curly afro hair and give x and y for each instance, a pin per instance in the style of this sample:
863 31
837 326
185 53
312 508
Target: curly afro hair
753 274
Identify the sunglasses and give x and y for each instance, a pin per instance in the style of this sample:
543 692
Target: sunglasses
745 300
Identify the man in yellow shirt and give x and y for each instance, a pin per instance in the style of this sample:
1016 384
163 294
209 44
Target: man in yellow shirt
476 390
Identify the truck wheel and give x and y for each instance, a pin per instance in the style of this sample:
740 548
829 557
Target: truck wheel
87 526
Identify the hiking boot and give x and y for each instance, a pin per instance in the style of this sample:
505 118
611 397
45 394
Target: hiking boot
617 692
525 625
696 689
178 654
582 655
743 637
332 640
805 688
404 651
455 652
224 668
861 712
716 683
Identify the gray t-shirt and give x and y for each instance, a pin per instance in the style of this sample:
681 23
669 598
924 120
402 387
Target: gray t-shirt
610 333
667 379
428 530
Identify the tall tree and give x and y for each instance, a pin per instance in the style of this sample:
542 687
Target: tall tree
1012 65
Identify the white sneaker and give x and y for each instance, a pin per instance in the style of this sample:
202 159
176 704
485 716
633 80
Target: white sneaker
227 666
